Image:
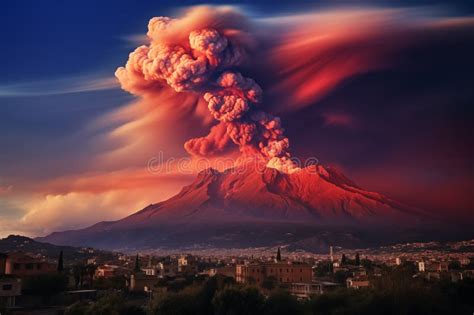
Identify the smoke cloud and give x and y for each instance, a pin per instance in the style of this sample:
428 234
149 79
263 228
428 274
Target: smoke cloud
206 62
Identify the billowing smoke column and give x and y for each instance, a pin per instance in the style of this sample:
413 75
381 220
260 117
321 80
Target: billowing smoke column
205 63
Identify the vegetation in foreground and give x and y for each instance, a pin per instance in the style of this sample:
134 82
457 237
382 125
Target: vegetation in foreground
394 293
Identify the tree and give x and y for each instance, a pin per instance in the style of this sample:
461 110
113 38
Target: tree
78 273
323 268
113 304
357 259
46 285
90 271
366 263
281 303
343 259
137 264
454 265
269 283
341 276
60 262
278 254
238 301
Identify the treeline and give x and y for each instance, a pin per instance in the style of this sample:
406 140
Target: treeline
396 293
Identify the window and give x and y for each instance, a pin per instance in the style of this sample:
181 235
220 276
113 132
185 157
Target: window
38 266
16 266
7 287
29 266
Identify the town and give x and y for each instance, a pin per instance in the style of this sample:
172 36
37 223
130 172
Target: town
144 283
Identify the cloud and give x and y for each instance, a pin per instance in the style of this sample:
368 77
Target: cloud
339 119
59 86
73 202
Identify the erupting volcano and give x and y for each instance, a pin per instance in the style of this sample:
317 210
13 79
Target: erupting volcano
203 59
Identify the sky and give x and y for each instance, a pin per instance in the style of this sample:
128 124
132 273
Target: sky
381 90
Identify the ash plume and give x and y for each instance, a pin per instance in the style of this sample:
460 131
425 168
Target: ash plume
201 53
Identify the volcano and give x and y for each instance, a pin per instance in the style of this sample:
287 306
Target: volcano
253 206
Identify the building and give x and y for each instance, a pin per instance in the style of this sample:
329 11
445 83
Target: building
306 290
10 288
167 268
140 282
399 261
357 282
226 271
20 264
109 271
282 271
151 271
187 264
433 266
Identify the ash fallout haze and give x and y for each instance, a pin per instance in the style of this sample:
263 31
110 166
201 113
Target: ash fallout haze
236 125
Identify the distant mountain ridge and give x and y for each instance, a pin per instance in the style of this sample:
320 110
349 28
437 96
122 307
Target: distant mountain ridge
18 243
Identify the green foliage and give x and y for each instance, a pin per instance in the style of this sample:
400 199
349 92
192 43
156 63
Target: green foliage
282 303
238 301
397 292
175 303
269 283
324 268
454 265
60 262
3 309
343 259
117 283
341 276
367 264
46 285
137 264
77 308
110 304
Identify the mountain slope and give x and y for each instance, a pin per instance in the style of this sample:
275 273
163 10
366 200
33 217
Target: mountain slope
17 243
224 208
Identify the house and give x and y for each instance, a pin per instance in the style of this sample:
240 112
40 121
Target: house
141 282
433 266
167 268
226 271
10 288
20 264
284 272
187 264
357 282
306 290
109 271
